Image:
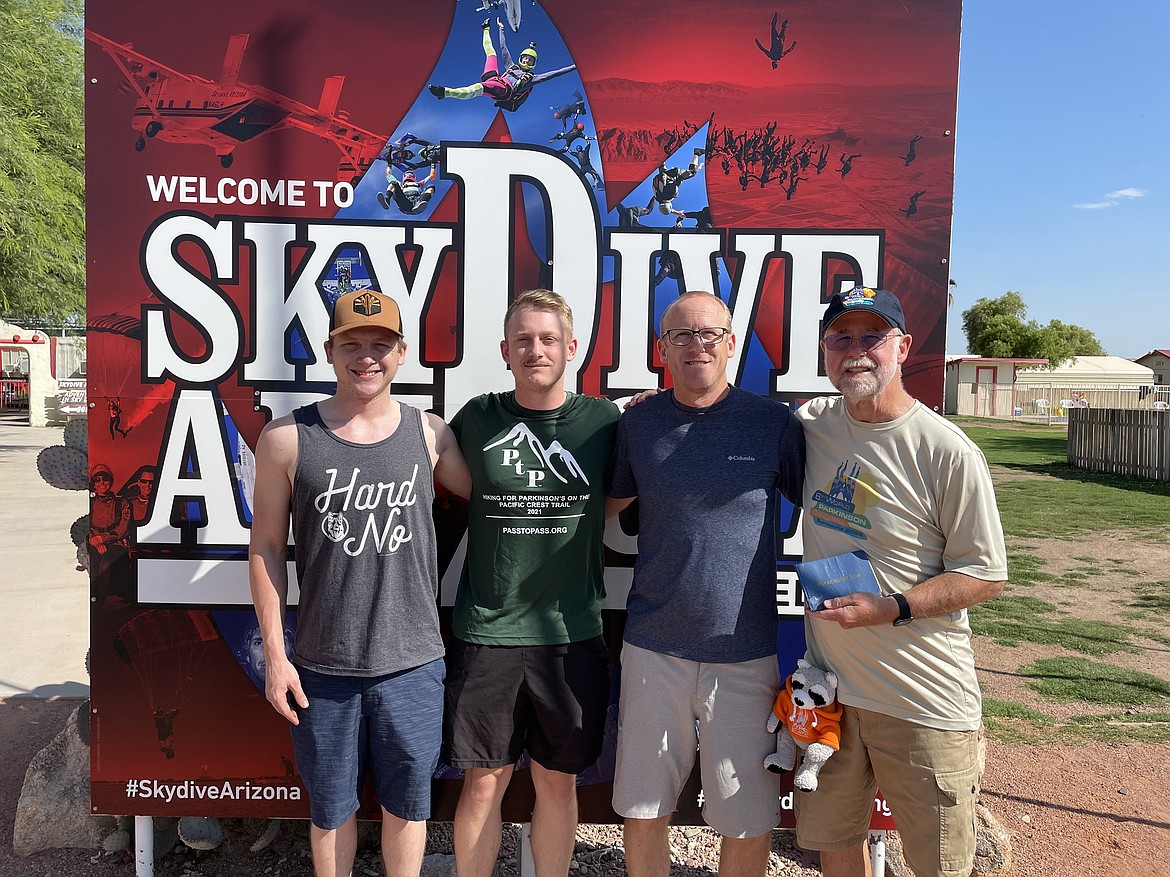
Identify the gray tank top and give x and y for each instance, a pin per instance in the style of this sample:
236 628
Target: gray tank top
365 550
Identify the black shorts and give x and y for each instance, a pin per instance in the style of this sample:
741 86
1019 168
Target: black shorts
503 700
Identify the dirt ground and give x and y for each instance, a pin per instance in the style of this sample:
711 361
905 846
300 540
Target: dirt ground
1096 811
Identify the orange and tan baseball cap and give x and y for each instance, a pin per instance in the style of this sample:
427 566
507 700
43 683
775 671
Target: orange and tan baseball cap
365 307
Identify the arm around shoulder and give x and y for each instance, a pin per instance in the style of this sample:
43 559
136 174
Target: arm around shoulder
450 467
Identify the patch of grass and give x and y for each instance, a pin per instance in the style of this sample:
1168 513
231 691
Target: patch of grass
1121 728
1092 560
1020 447
1076 679
1027 569
1015 619
1018 606
1152 597
1073 502
1014 723
1072 509
1009 709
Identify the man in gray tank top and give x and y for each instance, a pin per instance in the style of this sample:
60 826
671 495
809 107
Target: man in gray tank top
364 685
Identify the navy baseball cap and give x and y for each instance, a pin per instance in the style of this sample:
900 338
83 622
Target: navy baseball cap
880 302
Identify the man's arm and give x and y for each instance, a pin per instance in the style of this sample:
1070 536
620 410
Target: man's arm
940 595
614 505
276 455
450 468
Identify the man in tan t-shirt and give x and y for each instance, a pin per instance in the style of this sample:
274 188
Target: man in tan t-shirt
886 475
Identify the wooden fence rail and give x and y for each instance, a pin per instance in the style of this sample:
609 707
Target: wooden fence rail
1120 442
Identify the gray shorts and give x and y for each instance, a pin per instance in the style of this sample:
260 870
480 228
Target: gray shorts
663 701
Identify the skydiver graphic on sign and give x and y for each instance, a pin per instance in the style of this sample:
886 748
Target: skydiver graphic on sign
581 153
847 163
511 88
822 158
628 217
114 408
577 132
164 726
569 112
777 51
911 154
409 196
912 208
400 155
666 185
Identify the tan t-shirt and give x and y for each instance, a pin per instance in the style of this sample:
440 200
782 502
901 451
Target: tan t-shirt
916 496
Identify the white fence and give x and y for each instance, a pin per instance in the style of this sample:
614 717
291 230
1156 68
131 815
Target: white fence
1050 403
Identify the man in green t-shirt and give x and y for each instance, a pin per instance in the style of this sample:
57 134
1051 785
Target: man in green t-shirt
528 669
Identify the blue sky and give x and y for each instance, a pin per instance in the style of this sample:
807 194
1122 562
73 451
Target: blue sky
1062 173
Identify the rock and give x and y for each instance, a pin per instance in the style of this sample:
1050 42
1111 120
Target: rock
116 841
54 808
895 862
993 849
268 837
993 845
438 865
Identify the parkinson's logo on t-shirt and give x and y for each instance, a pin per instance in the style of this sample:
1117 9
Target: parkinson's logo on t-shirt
523 452
843 505
373 507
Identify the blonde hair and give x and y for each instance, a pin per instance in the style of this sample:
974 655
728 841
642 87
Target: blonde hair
542 300
691 293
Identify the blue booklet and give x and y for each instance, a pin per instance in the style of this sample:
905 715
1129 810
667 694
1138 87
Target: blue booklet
835 576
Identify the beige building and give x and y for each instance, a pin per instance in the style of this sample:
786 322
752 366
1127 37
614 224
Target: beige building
1006 388
983 386
1157 361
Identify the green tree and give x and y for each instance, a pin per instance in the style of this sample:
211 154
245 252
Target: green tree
42 160
999 327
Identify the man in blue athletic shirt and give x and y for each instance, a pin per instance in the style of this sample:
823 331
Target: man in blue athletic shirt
705 461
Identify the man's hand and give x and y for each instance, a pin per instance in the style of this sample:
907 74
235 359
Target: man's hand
281 681
640 398
862 609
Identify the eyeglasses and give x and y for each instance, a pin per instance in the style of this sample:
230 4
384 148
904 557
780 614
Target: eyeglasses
867 342
709 336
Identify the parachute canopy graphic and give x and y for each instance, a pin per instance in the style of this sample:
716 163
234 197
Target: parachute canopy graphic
168 651
114 342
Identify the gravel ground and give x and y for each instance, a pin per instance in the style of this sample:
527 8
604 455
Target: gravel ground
1093 811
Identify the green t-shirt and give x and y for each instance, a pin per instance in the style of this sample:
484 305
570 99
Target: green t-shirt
535 550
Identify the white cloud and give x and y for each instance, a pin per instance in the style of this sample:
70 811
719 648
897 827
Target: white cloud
1112 199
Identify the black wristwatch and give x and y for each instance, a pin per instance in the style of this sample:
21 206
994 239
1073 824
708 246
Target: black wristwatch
904 616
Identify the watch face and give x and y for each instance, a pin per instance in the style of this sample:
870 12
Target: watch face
902 621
